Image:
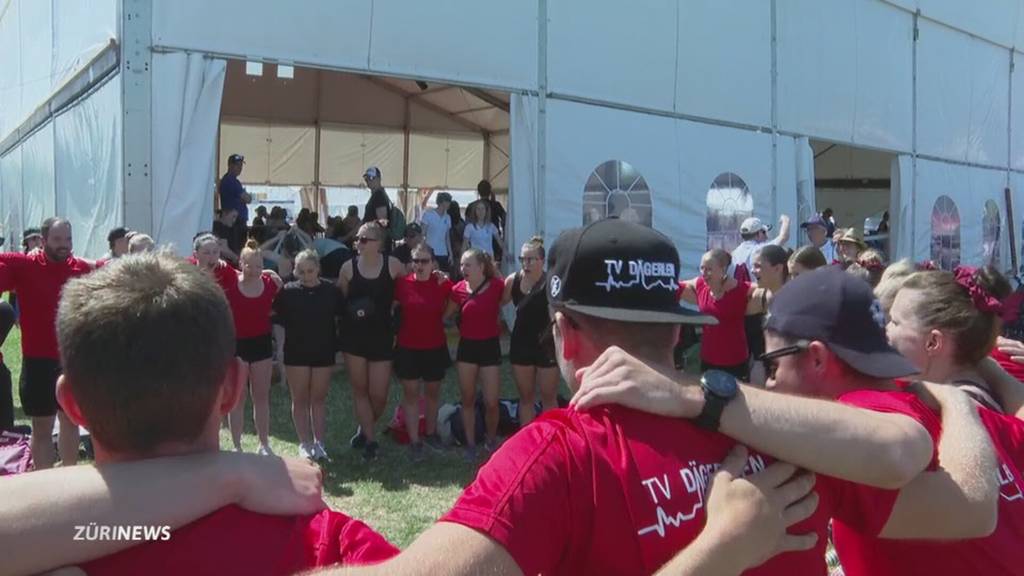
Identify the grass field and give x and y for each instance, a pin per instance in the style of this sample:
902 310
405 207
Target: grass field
392 494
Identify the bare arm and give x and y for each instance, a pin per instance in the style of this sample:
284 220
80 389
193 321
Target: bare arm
757 301
397 269
42 509
881 450
959 499
506 294
1007 388
783 236
689 293
450 311
344 277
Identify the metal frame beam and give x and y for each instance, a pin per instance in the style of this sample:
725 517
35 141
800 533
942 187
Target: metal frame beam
472 126
489 98
137 119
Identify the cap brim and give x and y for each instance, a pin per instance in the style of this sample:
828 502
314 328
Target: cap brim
678 315
879 364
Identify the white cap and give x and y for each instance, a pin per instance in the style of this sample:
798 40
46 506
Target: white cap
753 226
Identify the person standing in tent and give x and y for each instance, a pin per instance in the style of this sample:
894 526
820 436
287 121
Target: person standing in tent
817 233
498 217
755 236
233 195
437 225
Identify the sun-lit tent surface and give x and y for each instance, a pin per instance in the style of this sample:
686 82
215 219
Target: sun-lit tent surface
123 112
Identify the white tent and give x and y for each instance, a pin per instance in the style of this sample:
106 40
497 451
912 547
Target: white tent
110 111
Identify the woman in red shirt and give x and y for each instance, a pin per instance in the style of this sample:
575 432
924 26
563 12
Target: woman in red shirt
716 293
477 299
206 255
422 354
251 300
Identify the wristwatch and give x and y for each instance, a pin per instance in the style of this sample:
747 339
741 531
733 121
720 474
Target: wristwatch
719 389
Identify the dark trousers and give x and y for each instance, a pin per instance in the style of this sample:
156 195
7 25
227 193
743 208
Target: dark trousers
239 235
6 386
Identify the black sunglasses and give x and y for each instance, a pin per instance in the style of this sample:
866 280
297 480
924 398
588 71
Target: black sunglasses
768 359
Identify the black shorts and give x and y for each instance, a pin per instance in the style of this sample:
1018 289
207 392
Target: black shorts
312 359
479 352
532 352
254 349
38 386
373 340
739 371
426 365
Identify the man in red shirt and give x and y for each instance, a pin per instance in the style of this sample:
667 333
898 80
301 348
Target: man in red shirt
148 345
37 278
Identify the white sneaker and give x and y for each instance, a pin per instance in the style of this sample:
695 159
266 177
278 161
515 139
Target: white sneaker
265 450
319 452
307 451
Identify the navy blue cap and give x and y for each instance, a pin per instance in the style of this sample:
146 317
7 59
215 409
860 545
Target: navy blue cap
830 306
620 271
236 158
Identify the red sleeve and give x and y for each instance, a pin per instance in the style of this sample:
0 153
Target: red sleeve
11 264
864 508
458 293
521 497
360 544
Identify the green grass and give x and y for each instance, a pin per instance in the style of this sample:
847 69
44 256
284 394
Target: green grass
395 496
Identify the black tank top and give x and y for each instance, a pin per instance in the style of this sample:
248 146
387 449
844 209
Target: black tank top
380 289
532 316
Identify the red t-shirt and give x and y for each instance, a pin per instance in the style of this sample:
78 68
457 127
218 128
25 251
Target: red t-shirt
236 541
423 304
480 313
1012 368
995 555
252 315
38 282
724 344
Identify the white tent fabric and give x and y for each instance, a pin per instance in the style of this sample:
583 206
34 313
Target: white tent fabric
523 198
445 161
10 175
186 109
498 161
805 205
1017 118
786 197
345 152
38 178
88 159
80 31
901 221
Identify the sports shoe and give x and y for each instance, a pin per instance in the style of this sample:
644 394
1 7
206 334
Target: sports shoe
238 448
265 450
319 452
469 454
434 442
307 451
416 452
358 440
370 451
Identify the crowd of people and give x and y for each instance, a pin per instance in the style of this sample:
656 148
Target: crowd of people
841 398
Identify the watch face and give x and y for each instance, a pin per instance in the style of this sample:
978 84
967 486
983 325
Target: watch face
721 384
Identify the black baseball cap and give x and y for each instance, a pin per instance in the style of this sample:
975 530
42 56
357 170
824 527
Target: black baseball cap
236 158
31 233
831 306
620 271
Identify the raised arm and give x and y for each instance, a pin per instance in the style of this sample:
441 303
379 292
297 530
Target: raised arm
872 448
43 509
783 236
688 291
1008 390
959 499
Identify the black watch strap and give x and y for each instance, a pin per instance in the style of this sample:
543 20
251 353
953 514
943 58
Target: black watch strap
711 416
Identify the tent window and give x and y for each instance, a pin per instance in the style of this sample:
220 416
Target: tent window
945 233
615 188
286 72
254 68
990 230
729 203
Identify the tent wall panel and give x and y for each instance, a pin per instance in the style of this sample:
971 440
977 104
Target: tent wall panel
490 42
598 51
10 175
854 85
326 32
524 179
10 69
786 190
250 139
983 185
345 152
80 31
962 103
980 22
38 198
88 157
724 56
499 161
36 53
187 91
445 161
935 179
292 154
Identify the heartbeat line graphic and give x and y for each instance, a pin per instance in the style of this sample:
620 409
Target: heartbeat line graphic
612 283
1012 497
664 519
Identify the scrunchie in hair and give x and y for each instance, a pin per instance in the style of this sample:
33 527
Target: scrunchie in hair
983 301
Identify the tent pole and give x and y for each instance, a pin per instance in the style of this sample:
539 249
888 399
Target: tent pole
321 209
403 199
487 156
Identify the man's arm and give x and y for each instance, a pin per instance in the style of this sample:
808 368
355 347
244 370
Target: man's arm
42 509
783 236
960 499
10 264
881 450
